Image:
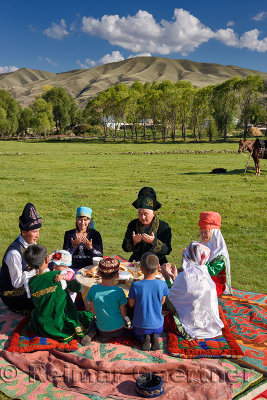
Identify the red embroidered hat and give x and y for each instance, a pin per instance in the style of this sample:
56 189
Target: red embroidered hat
209 220
108 265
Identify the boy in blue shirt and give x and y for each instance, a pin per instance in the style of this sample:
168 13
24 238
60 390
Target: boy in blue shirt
147 297
107 303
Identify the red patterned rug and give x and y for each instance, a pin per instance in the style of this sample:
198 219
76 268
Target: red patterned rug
224 346
246 315
23 341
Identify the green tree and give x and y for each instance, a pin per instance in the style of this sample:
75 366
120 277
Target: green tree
3 121
186 96
61 105
249 89
25 120
99 109
42 120
225 100
12 109
132 111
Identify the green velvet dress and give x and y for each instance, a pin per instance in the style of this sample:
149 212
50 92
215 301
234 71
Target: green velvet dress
162 242
54 314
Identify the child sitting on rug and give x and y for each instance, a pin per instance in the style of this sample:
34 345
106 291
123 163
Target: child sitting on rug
54 314
107 303
62 260
218 262
147 297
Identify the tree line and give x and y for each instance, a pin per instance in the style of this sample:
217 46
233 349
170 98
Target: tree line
160 110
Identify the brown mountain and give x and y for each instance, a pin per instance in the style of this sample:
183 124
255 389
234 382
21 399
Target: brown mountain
25 84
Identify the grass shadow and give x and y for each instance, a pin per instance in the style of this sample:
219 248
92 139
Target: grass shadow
232 172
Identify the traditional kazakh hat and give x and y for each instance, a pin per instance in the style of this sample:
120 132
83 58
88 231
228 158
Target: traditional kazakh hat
147 198
108 265
29 219
209 220
62 257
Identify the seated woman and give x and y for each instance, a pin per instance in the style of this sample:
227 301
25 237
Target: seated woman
193 294
218 261
147 233
83 242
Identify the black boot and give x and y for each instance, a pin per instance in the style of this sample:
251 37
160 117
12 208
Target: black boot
146 343
155 342
86 340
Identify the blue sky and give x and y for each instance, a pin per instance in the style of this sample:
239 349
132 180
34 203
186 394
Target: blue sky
58 35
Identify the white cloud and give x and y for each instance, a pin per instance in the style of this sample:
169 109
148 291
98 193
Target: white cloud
141 34
113 57
51 61
48 60
230 23
250 40
10 68
227 36
260 16
140 55
83 66
107 58
57 31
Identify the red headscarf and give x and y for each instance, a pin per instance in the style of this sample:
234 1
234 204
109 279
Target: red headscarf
209 220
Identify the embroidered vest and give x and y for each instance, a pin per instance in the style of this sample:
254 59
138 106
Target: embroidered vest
6 287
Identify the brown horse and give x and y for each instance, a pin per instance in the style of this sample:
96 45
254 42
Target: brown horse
253 146
245 145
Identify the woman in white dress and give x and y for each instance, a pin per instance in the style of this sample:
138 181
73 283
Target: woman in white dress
193 294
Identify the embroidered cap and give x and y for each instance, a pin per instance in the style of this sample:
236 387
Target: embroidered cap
209 220
84 212
62 257
147 199
108 265
29 219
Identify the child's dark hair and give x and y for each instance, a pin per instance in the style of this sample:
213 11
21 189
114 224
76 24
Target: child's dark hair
149 262
107 276
35 255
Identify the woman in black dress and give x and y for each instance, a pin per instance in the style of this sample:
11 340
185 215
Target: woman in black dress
83 242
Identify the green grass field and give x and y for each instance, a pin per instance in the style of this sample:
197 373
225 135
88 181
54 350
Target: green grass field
59 177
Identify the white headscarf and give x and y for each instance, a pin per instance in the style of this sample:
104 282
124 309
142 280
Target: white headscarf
194 295
218 247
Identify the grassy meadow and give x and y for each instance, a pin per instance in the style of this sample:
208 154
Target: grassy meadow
59 177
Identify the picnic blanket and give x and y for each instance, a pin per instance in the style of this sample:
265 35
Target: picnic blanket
37 375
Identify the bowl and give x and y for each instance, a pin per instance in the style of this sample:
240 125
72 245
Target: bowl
96 260
149 385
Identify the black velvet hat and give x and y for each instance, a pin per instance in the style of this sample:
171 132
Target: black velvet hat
147 198
29 219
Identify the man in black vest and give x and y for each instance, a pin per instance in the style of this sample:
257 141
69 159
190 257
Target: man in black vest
14 271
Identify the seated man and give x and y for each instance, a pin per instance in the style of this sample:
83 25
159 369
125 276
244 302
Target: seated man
147 233
14 272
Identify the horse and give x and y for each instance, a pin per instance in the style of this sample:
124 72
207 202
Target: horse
245 145
256 149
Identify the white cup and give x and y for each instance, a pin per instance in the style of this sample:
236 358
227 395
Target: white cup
96 260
